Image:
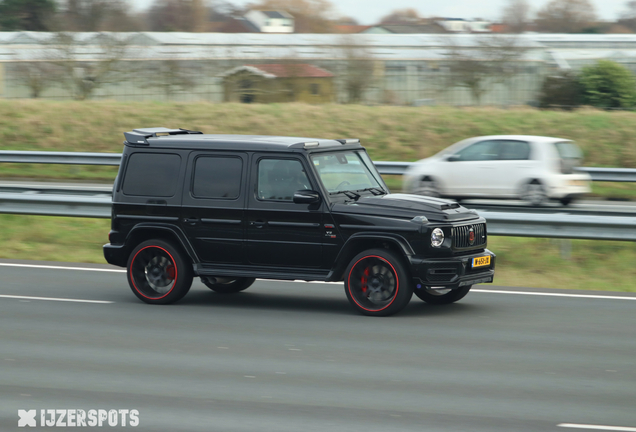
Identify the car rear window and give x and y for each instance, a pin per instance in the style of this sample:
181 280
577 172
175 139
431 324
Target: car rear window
568 150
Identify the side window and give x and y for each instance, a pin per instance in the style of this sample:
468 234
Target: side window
278 179
481 151
514 150
152 174
217 177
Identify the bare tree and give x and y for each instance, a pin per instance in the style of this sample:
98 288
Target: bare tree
96 15
37 76
179 15
357 67
566 16
171 76
82 76
493 59
628 18
401 16
516 15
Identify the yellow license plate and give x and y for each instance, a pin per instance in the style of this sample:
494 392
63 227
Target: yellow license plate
481 261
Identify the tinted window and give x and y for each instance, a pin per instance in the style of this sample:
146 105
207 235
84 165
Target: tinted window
514 150
481 151
278 179
152 174
217 177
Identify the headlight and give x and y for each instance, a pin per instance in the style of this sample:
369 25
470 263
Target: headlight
437 237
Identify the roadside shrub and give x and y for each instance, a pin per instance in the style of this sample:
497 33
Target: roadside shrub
561 90
607 84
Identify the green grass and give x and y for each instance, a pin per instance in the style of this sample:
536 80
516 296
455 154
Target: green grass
527 262
389 133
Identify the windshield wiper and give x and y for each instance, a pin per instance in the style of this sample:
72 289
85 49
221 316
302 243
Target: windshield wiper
374 190
350 194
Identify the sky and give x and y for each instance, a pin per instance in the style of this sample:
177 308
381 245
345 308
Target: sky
371 11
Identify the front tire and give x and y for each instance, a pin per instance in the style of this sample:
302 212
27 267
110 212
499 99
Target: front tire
446 296
377 283
158 272
231 287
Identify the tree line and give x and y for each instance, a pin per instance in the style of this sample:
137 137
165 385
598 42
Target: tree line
311 16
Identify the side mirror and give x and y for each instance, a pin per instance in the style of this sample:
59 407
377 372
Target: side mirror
453 158
306 197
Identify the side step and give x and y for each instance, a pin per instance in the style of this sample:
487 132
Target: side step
283 274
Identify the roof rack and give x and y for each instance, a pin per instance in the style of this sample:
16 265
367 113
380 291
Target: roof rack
140 136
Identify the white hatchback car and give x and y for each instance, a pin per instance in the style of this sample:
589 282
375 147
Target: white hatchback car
532 168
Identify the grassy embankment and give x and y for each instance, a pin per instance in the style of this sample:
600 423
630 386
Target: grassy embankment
389 133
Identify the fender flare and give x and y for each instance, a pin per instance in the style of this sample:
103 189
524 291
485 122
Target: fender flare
171 229
353 244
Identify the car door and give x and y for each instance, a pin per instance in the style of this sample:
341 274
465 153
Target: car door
213 206
471 171
513 166
281 233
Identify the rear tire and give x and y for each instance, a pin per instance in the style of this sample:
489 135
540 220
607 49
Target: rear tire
377 283
237 285
158 272
439 297
534 194
427 187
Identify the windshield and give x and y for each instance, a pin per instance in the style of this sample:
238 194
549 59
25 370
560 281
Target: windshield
347 171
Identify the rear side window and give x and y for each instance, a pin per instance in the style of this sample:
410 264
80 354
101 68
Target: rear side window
514 150
152 174
217 177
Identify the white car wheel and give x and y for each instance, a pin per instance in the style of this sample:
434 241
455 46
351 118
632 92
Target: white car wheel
427 187
534 194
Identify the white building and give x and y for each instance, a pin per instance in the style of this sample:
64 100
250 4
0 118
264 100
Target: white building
271 21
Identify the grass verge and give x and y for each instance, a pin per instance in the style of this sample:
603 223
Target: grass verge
528 262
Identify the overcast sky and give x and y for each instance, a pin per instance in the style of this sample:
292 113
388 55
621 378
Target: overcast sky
370 11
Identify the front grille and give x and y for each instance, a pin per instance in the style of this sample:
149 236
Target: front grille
461 236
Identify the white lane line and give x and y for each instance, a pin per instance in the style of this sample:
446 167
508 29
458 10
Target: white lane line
55 299
63 267
597 427
553 294
532 293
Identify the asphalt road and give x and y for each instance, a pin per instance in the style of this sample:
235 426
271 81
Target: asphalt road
286 356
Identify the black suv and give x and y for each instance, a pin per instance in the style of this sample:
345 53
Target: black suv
233 208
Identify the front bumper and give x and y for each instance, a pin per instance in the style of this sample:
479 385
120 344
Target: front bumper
452 272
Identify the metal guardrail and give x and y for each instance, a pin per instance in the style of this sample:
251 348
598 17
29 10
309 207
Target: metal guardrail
56 205
597 174
67 203
67 158
499 223
561 226
386 168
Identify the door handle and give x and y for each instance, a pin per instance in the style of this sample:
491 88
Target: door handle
191 221
258 223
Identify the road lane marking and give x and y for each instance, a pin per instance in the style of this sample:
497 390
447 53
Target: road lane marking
55 299
62 267
597 427
553 294
531 293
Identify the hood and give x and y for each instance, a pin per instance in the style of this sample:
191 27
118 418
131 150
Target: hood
408 206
